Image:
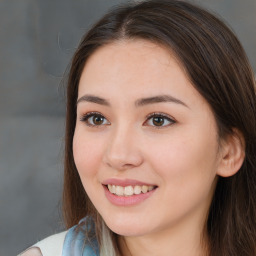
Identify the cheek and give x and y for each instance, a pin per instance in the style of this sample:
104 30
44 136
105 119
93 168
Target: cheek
87 151
187 170
186 160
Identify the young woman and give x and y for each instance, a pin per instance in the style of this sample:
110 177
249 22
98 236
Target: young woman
160 138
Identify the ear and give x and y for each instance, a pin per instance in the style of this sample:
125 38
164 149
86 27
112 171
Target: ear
232 154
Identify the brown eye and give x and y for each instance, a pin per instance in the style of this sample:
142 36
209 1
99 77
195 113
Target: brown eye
159 120
97 120
94 119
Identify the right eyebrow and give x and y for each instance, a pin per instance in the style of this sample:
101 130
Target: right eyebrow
93 99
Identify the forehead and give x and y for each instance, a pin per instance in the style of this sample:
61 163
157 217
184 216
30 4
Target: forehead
136 48
131 69
136 60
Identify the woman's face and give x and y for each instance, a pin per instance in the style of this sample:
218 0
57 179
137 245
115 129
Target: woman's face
144 130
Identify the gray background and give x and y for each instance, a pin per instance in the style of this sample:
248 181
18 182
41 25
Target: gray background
37 40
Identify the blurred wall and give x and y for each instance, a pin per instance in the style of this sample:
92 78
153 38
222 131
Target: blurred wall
37 40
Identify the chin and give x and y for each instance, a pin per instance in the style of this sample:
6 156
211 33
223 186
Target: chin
128 232
127 228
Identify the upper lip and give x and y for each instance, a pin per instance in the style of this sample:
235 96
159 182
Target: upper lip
125 182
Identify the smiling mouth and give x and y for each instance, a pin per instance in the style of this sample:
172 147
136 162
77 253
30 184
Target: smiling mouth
129 190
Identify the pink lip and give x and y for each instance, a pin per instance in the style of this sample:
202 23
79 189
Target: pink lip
127 200
125 182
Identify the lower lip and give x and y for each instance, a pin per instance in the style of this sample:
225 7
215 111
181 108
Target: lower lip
127 200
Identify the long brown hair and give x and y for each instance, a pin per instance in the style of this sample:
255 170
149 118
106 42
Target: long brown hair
217 66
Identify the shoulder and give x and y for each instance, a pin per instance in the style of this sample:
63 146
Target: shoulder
32 252
51 245
78 240
52 240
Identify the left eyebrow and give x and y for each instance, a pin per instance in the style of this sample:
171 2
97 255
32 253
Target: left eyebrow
159 99
138 103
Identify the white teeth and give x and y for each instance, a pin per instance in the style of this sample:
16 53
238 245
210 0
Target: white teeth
119 191
112 188
137 190
129 190
144 189
150 188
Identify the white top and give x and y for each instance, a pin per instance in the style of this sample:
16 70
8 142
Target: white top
50 246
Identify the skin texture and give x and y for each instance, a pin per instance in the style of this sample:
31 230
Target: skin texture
182 157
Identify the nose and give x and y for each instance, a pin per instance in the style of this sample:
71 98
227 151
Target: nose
122 151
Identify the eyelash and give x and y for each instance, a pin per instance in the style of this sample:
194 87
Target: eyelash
86 117
161 115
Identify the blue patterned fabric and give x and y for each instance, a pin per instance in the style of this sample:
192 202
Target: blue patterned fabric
81 240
